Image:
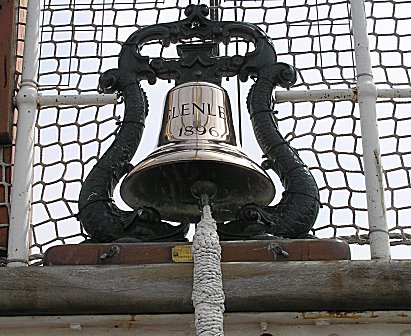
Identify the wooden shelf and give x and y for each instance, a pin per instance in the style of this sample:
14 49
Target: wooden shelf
239 251
166 288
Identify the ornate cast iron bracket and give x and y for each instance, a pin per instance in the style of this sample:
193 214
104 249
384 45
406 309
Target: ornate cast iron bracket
198 61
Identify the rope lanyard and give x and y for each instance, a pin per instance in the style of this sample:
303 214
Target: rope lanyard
208 295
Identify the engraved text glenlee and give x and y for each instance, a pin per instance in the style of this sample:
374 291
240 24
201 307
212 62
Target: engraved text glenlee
197 112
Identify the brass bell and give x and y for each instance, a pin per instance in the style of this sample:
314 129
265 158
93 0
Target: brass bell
197 142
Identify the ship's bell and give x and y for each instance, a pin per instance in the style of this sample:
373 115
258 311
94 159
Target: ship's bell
196 143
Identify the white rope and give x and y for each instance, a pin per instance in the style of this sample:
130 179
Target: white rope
208 294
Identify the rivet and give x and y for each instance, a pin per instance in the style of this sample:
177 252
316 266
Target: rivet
322 322
76 326
264 326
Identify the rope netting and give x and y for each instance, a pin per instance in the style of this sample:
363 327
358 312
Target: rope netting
81 39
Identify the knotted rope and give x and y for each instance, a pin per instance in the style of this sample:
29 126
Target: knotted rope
208 295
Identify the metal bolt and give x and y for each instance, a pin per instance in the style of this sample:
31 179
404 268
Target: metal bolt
76 326
110 253
266 164
323 322
251 214
278 250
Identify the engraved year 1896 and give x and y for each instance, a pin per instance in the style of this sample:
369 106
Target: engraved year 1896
199 130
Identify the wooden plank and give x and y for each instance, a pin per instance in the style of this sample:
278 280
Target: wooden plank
166 322
166 288
155 253
397 323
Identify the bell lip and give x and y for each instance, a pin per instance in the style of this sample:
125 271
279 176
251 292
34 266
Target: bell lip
228 159
208 151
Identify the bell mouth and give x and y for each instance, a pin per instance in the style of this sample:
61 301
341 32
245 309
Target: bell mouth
164 180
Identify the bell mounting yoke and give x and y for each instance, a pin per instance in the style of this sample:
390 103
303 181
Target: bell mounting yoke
198 60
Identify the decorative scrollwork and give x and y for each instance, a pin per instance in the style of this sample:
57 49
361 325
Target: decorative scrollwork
292 217
200 57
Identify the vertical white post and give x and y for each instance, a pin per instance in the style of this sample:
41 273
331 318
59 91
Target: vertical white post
18 245
367 97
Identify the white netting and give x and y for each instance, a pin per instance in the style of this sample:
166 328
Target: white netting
80 39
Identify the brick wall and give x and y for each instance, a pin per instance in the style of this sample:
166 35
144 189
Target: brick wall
5 186
12 19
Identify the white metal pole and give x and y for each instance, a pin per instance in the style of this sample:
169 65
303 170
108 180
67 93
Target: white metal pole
367 98
18 245
315 95
83 99
394 93
280 97
335 95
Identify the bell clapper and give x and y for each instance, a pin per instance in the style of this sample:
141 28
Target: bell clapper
204 191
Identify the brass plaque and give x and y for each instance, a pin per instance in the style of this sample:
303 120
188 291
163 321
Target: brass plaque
182 254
